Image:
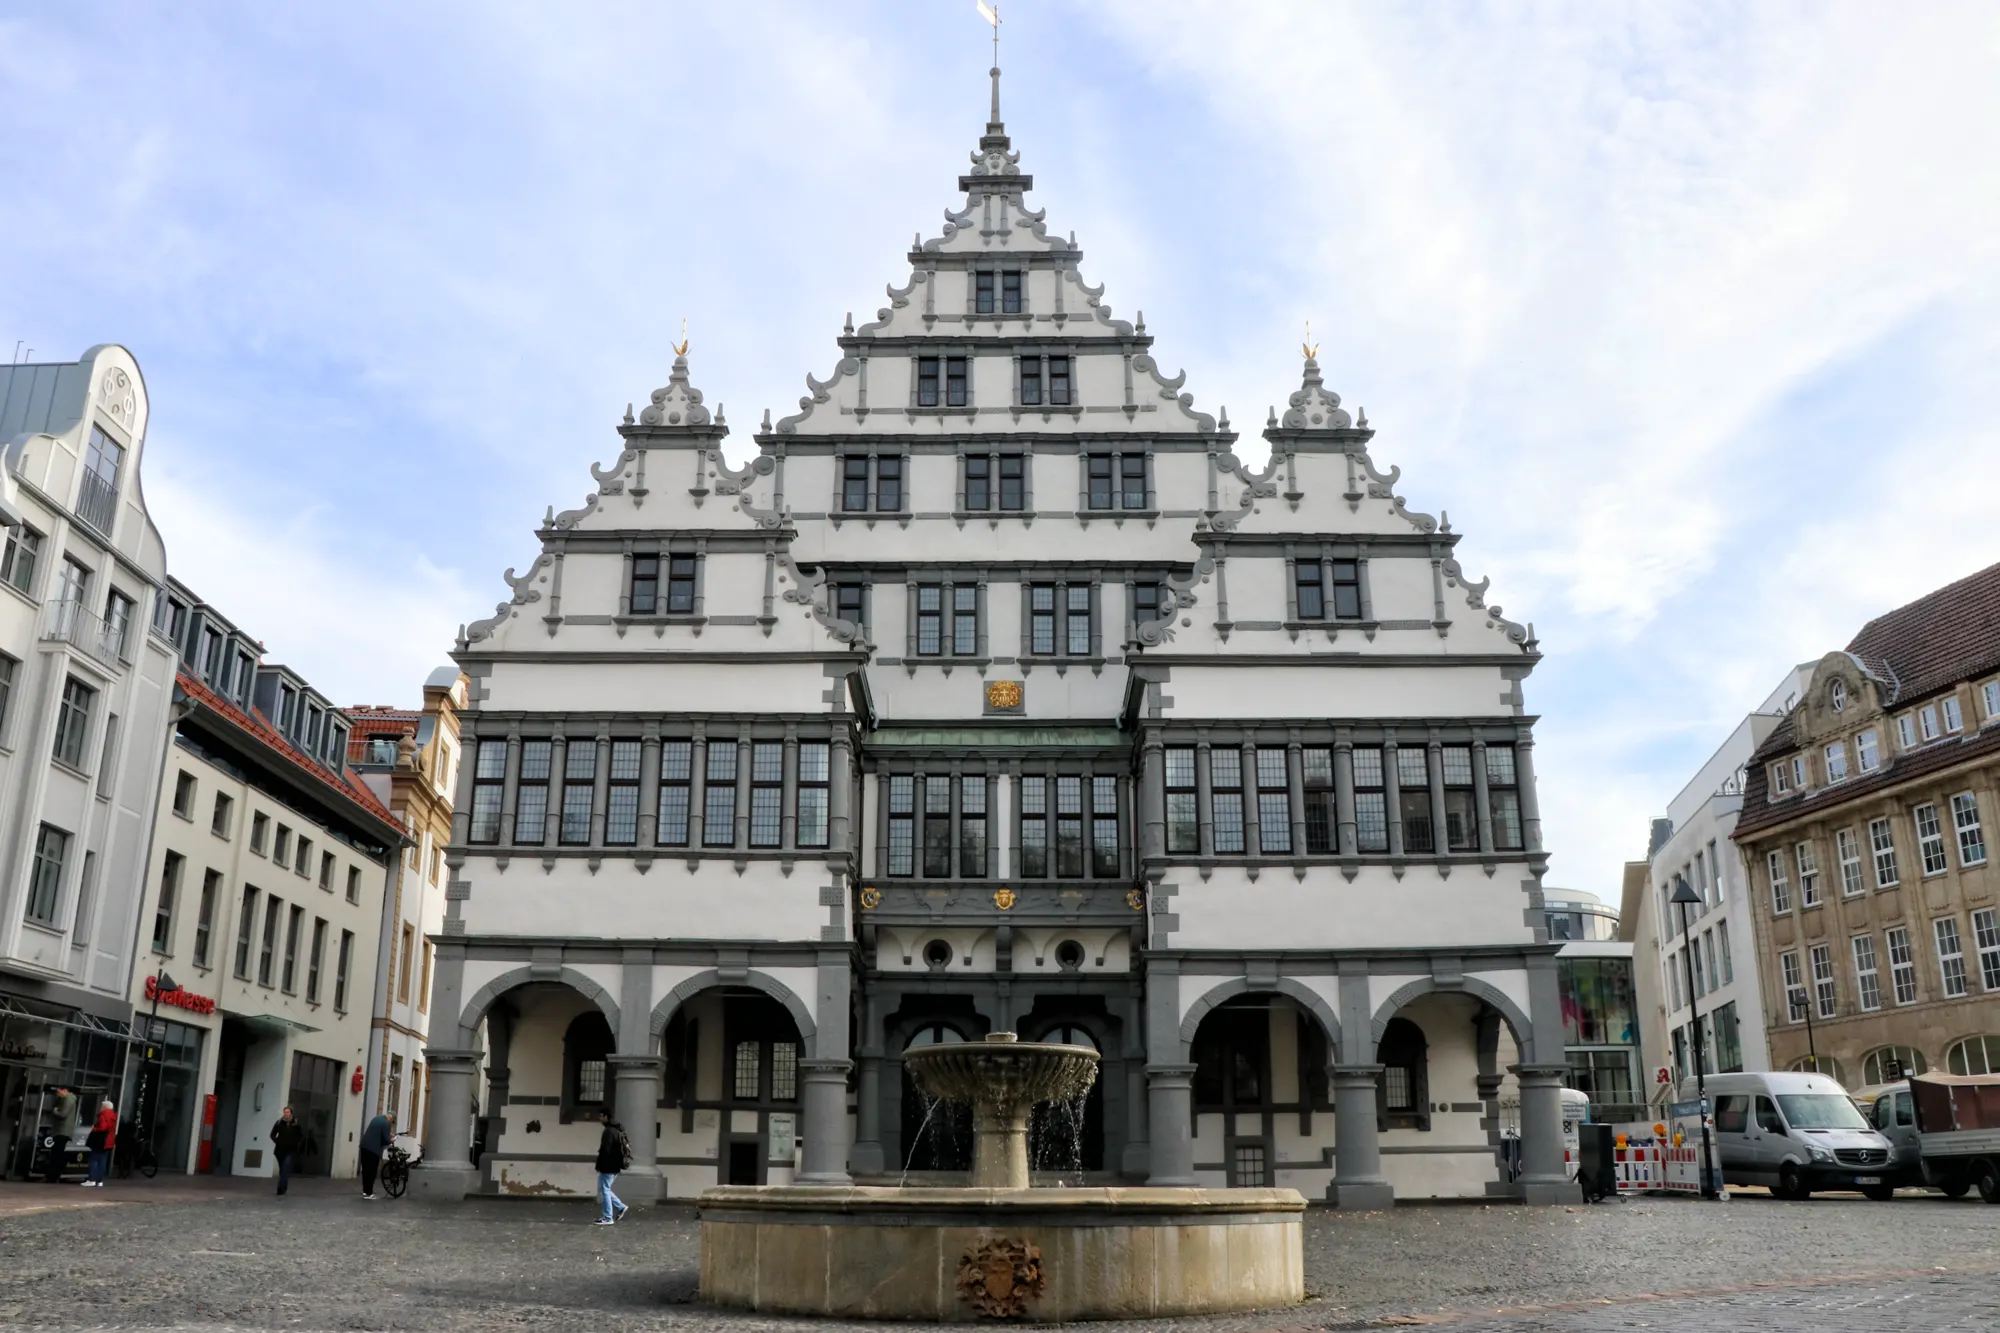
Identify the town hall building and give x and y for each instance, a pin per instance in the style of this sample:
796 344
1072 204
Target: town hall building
997 692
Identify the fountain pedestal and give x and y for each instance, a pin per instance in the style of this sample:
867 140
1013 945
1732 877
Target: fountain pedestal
999 1248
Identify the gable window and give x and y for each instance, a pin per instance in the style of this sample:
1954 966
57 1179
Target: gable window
996 292
1836 695
97 496
621 808
927 381
1971 839
1930 839
850 603
1183 831
1313 592
1781 884
680 585
531 793
1321 816
645 584
489 773
718 827
1371 800
1225 782
1867 756
22 555
811 796
856 494
1116 481
1882 841
1309 589
1781 778
1413 776
45 878
937 827
1104 827
73 722
1990 694
989 476
1059 391
1031 381
1808 859
1849 849
957 388
767 793
1836 762
676 790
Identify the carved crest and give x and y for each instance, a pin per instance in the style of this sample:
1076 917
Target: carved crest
1004 899
871 898
1003 694
999 1278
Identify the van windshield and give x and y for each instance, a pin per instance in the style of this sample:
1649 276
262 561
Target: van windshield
1821 1110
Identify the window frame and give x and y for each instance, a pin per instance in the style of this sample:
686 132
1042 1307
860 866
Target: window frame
534 782
489 786
673 805
1882 846
1847 851
767 794
1119 468
1986 946
172 866
1778 875
1867 751
1970 834
1903 983
1932 858
1952 978
621 792
73 717
1807 856
48 869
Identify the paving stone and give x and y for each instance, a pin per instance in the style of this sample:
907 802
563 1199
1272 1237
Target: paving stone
322 1259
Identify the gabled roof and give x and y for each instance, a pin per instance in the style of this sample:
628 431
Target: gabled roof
1938 640
254 725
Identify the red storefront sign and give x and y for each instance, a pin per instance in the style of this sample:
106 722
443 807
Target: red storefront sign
179 999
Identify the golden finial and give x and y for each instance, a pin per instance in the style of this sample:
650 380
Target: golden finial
1310 347
681 347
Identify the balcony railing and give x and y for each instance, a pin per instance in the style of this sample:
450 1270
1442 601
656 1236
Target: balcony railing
80 628
97 502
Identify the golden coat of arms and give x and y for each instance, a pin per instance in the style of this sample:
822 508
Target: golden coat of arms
1000 1277
1003 694
1003 899
871 898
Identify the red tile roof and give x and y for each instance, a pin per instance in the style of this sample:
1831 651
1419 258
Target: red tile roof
1938 640
255 724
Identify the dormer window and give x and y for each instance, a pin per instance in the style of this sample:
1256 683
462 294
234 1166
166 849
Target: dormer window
1906 731
996 292
1866 753
1836 696
1787 774
1927 722
1836 762
1954 720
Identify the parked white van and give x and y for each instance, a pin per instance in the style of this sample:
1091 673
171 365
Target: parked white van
1795 1133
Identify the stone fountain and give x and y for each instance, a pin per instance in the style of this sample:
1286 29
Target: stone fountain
999 1248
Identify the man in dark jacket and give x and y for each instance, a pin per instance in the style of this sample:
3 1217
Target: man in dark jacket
610 1161
375 1140
287 1135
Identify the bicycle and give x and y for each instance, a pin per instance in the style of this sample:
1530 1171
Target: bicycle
126 1158
396 1164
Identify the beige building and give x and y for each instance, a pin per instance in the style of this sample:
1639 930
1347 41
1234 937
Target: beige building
262 905
409 759
1865 833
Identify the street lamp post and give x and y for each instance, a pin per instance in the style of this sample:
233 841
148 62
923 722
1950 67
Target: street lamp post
1684 894
162 985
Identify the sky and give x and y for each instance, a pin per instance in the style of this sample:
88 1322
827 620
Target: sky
1686 313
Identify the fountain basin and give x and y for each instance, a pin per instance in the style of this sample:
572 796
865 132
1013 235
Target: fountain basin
954 1254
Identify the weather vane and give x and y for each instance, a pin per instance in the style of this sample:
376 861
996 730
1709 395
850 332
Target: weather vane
1311 347
681 347
991 13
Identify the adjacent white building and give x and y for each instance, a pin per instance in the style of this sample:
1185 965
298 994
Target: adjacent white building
1712 966
995 691
84 698
263 907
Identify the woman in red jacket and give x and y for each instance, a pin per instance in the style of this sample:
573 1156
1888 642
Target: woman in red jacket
103 1137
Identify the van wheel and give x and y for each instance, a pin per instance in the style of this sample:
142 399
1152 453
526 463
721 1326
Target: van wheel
1987 1176
1954 1187
1789 1185
1879 1193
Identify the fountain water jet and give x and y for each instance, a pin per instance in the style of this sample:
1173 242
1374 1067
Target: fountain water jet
999 1248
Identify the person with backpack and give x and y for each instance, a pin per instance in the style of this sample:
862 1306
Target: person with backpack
614 1154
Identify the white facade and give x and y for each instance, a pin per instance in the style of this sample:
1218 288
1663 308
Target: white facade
263 905
84 693
1226 771
1720 941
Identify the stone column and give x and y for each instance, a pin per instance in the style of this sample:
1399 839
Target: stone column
1170 1124
825 1129
1358 1183
1440 837
1295 789
637 1107
1343 794
1531 804
446 1171
649 788
1152 798
1392 792
840 839
1204 797
697 792
1543 1179
558 779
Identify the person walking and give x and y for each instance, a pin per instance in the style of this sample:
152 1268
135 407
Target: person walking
613 1156
375 1140
287 1134
102 1139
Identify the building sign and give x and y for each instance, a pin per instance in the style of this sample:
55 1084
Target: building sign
182 998
783 1129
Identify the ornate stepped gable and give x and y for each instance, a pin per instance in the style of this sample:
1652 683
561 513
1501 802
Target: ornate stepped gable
999 296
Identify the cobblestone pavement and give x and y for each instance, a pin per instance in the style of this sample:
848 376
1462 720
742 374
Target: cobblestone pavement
226 1256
